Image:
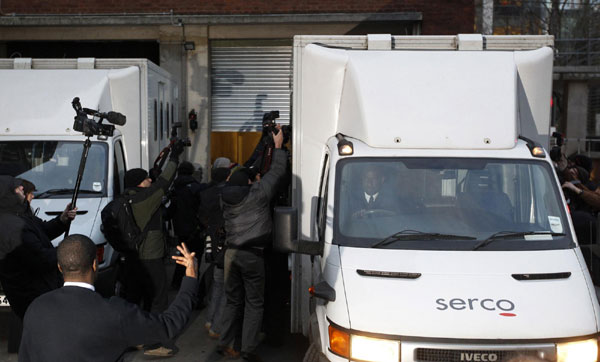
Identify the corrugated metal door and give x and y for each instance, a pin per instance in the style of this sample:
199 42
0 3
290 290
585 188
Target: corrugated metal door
248 81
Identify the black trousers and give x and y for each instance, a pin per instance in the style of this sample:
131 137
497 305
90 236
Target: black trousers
146 283
244 290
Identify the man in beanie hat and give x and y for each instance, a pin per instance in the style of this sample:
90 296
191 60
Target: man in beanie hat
146 277
247 214
27 257
184 208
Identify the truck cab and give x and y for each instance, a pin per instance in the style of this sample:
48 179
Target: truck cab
428 223
38 141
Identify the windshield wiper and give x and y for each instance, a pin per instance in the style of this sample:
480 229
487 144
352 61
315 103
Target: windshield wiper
51 192
409 234
512 234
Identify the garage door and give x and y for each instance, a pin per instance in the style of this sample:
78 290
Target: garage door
246 82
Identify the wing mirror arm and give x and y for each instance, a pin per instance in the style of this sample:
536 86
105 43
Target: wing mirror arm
285 231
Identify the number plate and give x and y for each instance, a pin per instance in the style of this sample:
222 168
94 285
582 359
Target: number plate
4 301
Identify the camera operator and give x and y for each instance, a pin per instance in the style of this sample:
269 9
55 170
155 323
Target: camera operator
27 257
247 214
145 272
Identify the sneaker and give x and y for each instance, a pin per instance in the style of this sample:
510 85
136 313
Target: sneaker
251 357
159 352
207 326
212 334
228 352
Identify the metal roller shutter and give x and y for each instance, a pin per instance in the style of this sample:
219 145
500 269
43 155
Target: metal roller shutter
247 82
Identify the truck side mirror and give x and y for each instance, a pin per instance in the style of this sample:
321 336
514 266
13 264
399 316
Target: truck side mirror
285 231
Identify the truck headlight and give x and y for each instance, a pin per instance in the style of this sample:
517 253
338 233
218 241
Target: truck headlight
374 349
580 351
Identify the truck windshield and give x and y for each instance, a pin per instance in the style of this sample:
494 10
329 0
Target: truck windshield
448 204
52 166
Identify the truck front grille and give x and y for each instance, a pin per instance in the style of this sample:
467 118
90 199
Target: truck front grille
457 355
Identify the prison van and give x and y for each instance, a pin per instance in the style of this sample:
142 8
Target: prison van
38 142
427 221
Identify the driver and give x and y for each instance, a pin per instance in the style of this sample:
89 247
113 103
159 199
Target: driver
372 198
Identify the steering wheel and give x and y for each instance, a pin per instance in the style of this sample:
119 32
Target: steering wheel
373 212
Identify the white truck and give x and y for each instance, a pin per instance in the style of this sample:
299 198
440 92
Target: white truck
38 143
427 220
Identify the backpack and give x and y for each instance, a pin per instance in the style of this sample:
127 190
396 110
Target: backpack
119 226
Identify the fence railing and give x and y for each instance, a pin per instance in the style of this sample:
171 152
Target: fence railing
577 52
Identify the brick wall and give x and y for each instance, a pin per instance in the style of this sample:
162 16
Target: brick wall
439 16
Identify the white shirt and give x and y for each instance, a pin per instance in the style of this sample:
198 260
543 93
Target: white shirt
79 284
367 196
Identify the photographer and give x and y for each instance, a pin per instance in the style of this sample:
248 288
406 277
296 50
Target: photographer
27 256
146 274
247 214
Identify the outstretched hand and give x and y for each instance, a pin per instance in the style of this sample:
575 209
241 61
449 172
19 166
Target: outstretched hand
188 260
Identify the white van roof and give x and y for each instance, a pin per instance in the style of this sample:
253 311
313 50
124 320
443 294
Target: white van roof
430 99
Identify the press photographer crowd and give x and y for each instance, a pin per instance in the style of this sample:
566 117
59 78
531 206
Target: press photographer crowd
217 233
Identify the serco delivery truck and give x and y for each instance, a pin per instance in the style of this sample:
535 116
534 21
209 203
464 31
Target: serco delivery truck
38 143
427 222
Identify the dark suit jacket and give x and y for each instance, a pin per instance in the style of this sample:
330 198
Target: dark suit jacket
76 324
384 201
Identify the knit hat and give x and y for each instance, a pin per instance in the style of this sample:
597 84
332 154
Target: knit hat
185 168
239 178
222 162
134 177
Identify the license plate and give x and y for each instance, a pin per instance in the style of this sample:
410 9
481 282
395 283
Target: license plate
4 301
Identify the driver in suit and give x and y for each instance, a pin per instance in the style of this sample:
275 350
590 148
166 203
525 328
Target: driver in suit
372 198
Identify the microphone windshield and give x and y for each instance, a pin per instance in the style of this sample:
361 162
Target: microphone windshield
116 118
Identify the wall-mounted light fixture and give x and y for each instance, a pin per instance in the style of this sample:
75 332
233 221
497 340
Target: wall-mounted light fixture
189 45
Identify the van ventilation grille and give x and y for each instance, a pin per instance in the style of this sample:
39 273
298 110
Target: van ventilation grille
455 355
542 276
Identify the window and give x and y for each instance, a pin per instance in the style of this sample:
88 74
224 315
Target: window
52 166
162 126
322 205
471 198
119 169
155 120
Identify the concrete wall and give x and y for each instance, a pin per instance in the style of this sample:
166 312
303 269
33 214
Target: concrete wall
577 111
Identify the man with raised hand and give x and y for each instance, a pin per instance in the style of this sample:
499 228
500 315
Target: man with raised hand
74 323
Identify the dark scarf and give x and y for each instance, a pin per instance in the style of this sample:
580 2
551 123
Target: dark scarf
11 206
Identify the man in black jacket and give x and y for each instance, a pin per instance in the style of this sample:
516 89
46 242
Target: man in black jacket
74 323
27 257
185 204
247 214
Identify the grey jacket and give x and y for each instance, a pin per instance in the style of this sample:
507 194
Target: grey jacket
247 209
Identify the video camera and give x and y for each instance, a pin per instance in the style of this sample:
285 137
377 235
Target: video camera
185 142
269 124
90 127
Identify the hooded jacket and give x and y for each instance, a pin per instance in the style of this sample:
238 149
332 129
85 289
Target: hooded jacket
146 207
247 209
27 257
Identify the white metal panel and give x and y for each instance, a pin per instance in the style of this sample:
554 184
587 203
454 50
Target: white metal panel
38 102
430 99
246 83
475 277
